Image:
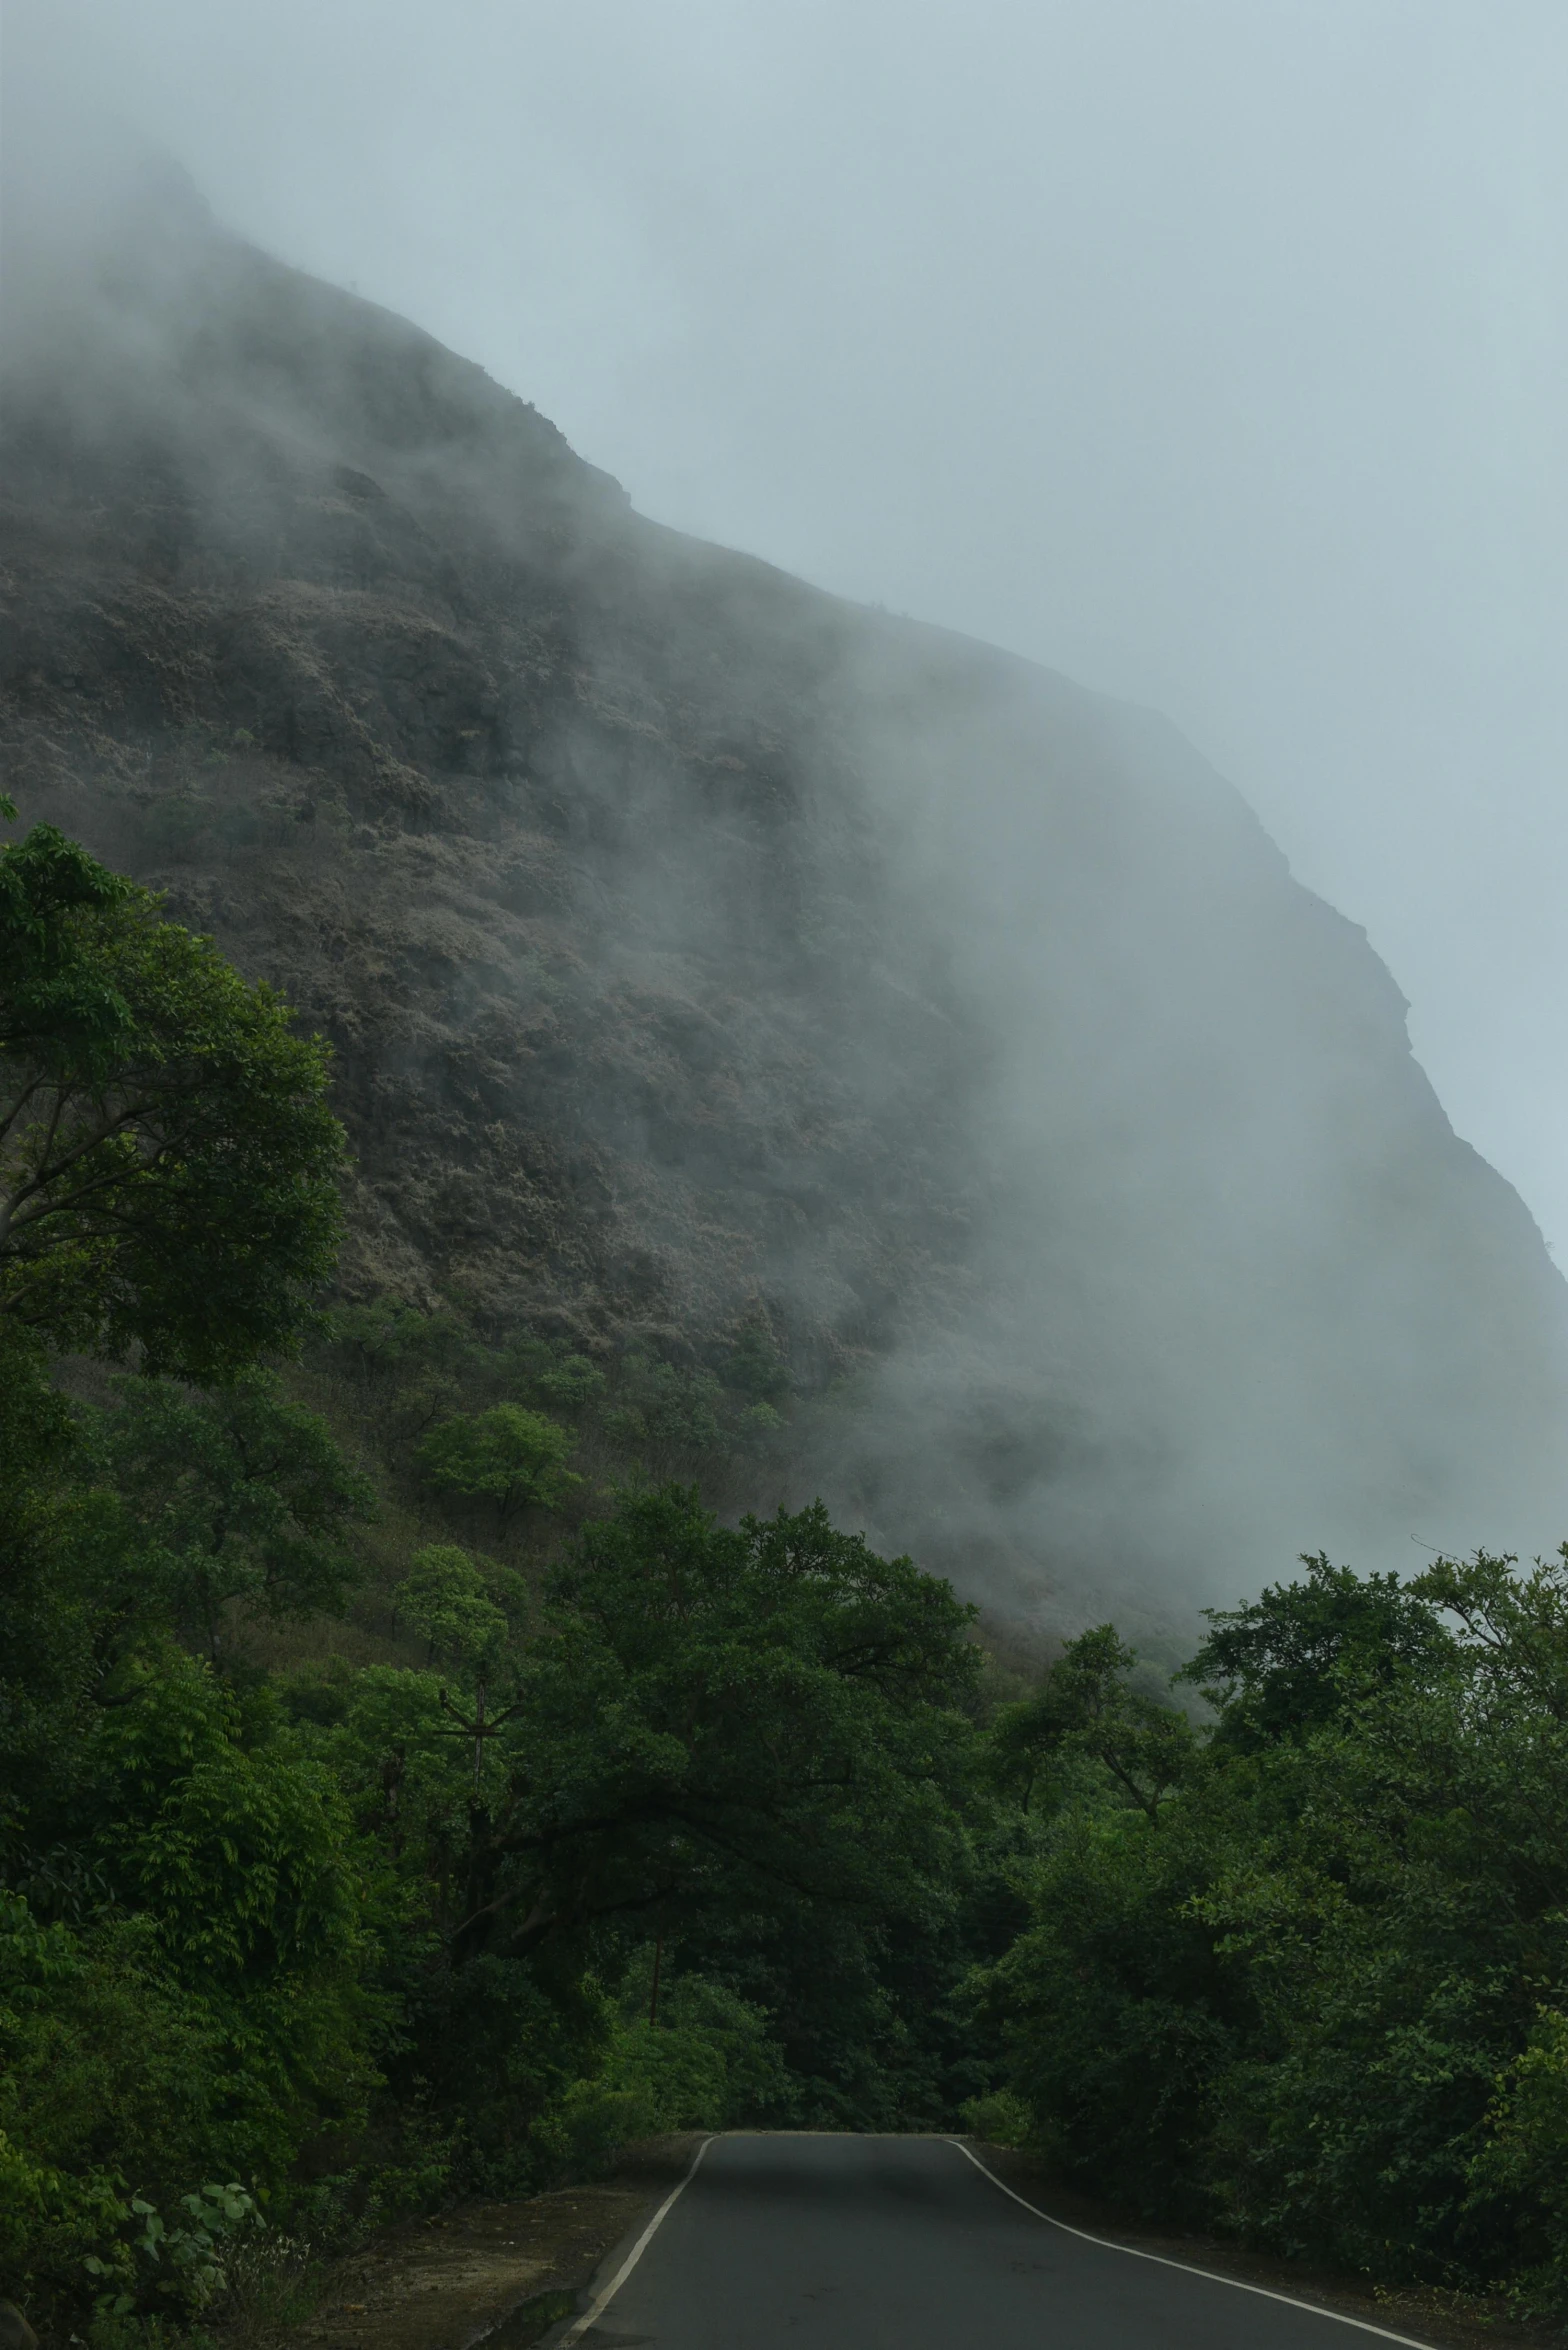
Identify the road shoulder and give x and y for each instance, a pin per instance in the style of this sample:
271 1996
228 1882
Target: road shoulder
499 2274
1447 2321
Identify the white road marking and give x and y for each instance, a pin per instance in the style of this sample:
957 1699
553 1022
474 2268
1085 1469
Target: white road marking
1314 2308
575 2332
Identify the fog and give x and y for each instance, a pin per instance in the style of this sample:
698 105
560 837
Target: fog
1202 353
1208 350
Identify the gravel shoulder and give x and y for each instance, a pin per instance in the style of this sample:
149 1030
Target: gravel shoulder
494 2273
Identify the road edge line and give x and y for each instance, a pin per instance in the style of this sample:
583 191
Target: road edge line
591 2316
1187 2267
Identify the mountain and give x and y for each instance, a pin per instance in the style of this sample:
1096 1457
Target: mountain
704 952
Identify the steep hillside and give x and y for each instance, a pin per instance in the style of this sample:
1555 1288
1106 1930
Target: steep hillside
701 950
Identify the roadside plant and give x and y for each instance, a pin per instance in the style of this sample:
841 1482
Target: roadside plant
182 2258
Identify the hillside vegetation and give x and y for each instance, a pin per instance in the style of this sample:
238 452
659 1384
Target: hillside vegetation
412 1789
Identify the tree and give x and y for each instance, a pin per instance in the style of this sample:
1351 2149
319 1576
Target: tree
1114 2011
669 1418
168 1163
504 1455
1285 1664
1513 1627
445 1599
237 1496
49 1610
723 1719
1318 1995
1087 1708
755 1367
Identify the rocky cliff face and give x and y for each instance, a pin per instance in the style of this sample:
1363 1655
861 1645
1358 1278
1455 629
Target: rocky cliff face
700 949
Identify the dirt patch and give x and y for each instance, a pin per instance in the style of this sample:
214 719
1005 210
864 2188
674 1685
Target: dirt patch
1447 2321
498 2273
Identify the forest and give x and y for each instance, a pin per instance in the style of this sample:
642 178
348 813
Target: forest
425 1765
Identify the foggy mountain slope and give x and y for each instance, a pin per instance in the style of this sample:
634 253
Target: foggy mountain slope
699 947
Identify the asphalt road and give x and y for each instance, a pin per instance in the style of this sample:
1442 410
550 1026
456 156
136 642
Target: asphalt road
841 2243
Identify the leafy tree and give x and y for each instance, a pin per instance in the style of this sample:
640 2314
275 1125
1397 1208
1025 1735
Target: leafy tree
748 1742
1512 1627
402 1768
669 1418
45 1637
1286 1663
1523 2165
495 2040
706 2061
545 1371
1316 1994
239 1496
755 1367
1087 1709
718 1716
183 1936
506 1455
168 1163
444 1597
211 1825
210 2017
418 1361
1114 2007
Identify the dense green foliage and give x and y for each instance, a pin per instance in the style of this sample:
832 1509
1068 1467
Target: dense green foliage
510 1456
1317 1992
235 1497
347 1932
293 1934
418 1777
168 1164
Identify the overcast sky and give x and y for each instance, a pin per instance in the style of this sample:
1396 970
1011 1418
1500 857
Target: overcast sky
1209 350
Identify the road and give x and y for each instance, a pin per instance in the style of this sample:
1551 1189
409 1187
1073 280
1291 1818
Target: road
784 2242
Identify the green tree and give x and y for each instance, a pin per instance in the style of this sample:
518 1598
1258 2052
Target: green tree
168 1163
1523 2164
1316 1994
1115 2010
545 1371
570 1382
415 1362
1286 1663
747 1742
46 1619
1087 1709
704 2061
746 1717
238 1496
755 1367
506 1455
445 1599
211 2015
670 1419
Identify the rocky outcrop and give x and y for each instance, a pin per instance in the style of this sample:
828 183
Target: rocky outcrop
698 948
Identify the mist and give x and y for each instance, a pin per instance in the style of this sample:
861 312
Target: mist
1205 355
1211 353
